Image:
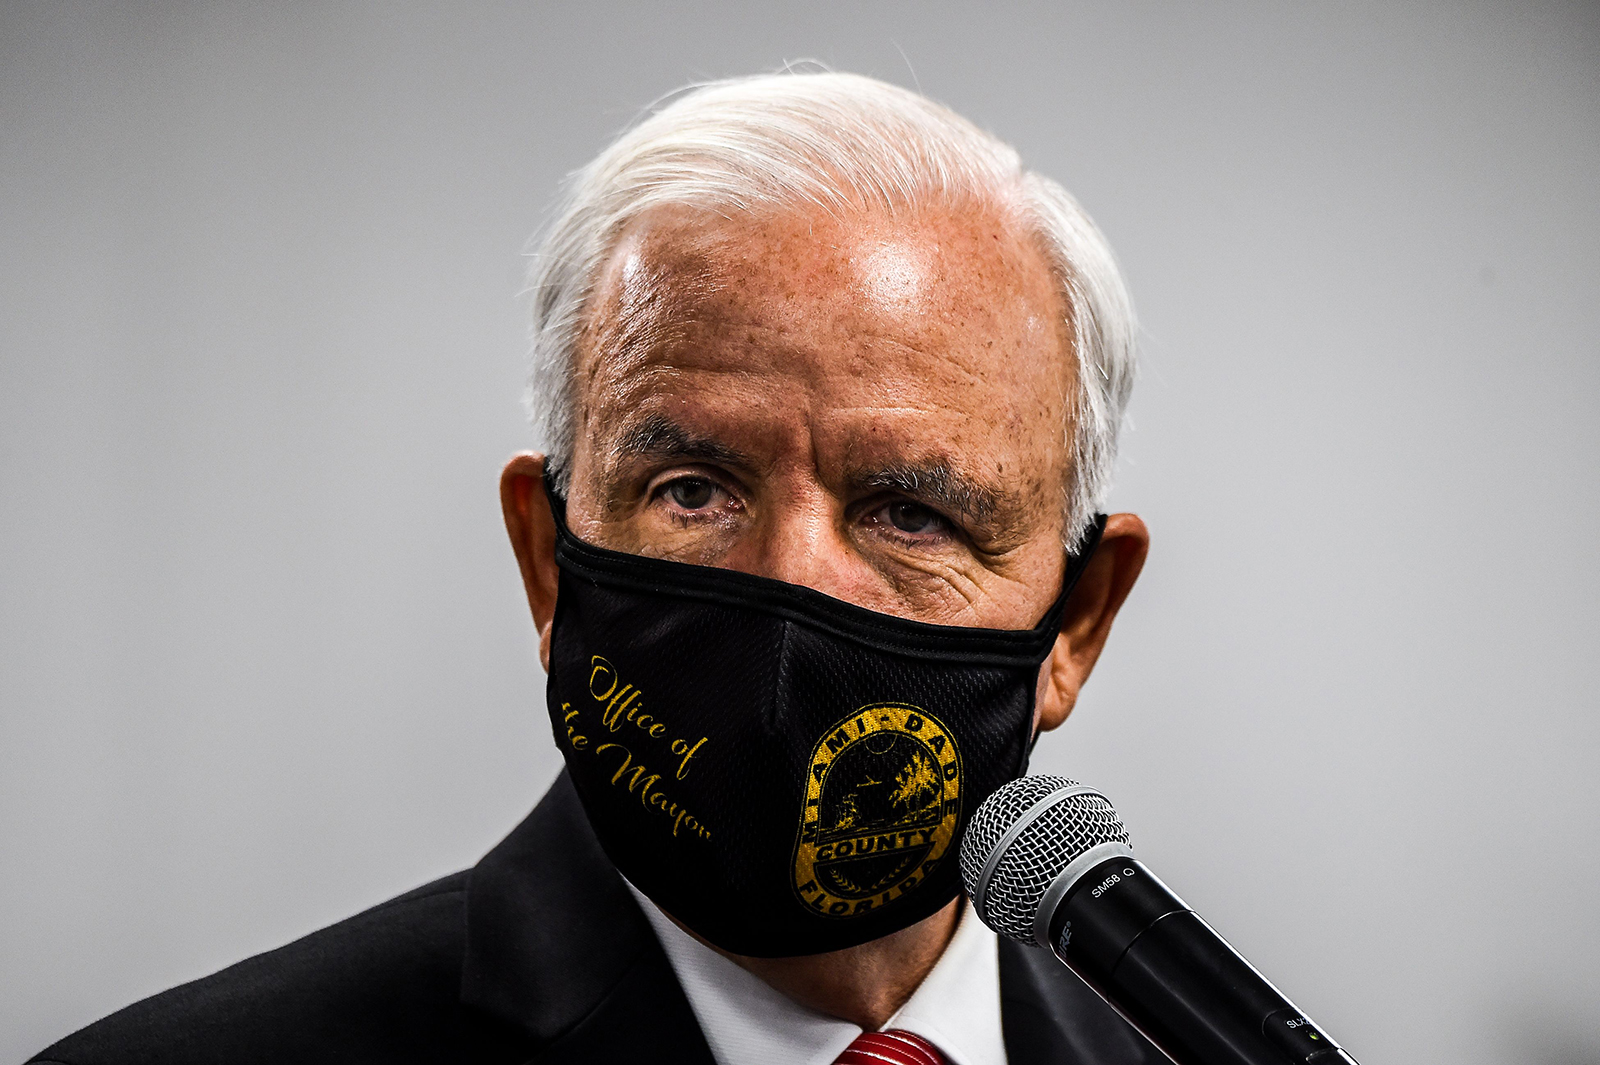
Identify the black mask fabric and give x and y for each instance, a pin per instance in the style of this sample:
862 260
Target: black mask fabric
783 772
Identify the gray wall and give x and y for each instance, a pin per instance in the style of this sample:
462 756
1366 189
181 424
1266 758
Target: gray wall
264 659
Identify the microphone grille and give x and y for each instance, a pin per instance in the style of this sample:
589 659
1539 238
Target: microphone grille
1056 829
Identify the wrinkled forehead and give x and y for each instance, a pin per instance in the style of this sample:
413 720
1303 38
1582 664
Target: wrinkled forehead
945 306
975 267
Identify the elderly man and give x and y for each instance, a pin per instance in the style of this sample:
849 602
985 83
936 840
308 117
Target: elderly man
830 389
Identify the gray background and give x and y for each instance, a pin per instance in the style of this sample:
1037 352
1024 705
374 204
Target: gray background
264 659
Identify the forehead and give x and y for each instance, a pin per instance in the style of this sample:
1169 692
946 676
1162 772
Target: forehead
953 314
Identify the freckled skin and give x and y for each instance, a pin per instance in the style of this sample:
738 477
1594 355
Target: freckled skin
774 337
872 407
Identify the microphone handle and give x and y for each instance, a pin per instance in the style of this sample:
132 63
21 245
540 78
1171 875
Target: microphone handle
1174 978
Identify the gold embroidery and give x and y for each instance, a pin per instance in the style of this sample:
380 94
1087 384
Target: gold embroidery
883 797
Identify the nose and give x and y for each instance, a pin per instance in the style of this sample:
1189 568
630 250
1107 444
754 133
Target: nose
801 539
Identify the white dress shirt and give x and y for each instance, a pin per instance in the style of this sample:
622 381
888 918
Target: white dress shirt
747 1022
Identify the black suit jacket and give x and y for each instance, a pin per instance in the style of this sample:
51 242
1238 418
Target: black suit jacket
537 954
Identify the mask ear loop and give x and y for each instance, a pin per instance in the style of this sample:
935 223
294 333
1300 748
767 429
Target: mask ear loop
557 498
1076 564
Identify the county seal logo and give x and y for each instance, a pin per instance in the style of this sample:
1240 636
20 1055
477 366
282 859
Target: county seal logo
883 797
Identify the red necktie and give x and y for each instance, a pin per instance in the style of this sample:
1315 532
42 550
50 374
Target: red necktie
894 1047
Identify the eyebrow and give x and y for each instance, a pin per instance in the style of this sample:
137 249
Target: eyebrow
942 485
660 437
994 509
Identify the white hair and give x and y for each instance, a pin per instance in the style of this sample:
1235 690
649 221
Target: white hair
843 144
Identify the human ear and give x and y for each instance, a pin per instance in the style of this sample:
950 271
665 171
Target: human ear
1086 621
533 537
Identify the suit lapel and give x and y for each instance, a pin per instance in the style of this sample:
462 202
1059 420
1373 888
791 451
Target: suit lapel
560 956
557 948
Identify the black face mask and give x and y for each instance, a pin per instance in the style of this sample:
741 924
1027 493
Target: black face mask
783 772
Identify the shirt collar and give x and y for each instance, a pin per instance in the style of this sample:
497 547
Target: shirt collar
956 1008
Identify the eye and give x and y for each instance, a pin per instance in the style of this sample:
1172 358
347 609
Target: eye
911 517
691 493
911 523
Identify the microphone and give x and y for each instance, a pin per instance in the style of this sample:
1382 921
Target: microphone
1046 861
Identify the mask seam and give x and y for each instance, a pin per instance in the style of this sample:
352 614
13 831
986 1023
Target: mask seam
782 679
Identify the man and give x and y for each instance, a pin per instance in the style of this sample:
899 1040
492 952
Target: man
830 388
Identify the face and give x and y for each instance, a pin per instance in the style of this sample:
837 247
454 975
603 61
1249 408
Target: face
870 408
